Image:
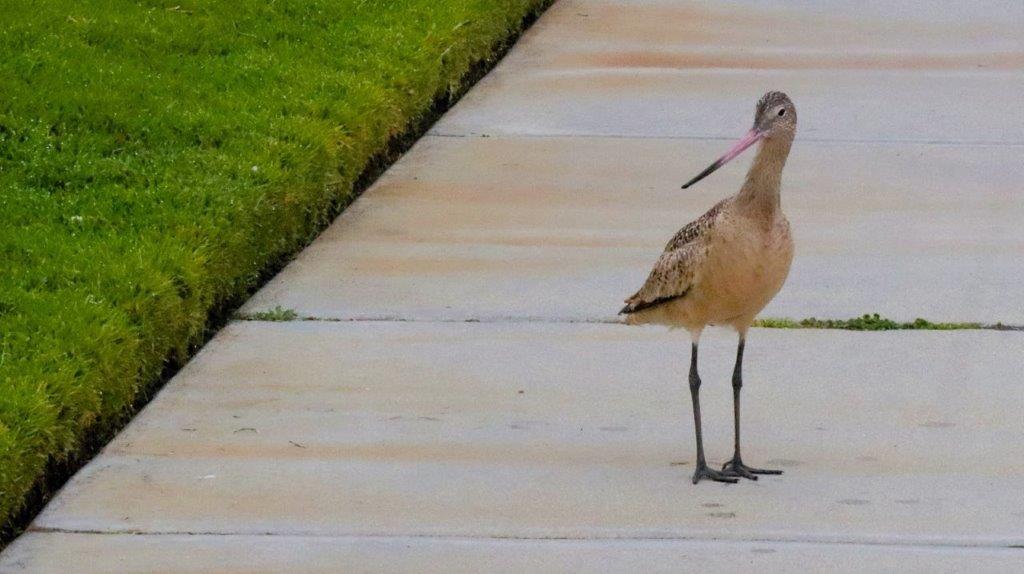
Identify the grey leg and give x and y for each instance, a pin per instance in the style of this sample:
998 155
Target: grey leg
735 467
702 470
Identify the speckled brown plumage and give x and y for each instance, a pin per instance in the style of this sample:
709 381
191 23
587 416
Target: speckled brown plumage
675 270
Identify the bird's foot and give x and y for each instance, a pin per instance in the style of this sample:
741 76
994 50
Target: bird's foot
704 472
735 467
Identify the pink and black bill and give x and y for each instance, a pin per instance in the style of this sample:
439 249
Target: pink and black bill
752 137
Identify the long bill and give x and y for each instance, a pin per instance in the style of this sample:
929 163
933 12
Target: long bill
746 141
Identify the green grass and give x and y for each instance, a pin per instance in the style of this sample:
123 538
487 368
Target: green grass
872 322
156 157
278 313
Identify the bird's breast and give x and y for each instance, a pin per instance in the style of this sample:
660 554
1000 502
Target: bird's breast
746 267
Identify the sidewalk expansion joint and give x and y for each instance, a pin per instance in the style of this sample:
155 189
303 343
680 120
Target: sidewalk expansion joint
864 323
819 540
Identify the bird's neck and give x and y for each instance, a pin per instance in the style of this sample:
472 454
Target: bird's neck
760 192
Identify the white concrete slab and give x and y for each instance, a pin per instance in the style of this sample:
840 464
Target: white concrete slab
566 228
833 105
567 431
876 71
58 553
911 36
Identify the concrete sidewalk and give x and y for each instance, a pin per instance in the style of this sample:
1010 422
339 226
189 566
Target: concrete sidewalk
463 402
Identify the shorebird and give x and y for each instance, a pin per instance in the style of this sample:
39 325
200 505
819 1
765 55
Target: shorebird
723 268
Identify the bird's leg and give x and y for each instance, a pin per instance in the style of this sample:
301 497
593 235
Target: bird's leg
702 470
735 467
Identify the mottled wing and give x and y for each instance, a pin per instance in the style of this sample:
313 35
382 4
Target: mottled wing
672 277
677 269
697 228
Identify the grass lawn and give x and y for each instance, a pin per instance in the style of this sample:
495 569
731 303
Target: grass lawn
156 157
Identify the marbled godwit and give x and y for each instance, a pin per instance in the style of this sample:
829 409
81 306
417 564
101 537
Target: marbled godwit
723 268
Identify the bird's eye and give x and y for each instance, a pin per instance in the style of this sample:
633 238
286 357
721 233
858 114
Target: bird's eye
782 112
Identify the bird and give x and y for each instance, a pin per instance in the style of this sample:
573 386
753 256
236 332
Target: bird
724 267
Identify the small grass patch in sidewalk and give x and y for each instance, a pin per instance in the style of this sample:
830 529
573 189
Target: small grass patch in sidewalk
157 159
277 314
867 322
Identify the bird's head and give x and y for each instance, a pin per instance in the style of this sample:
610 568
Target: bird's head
774 118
